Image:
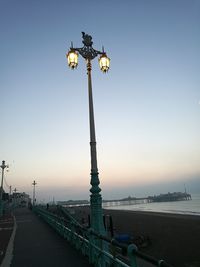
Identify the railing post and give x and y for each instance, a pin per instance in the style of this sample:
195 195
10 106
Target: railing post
130 252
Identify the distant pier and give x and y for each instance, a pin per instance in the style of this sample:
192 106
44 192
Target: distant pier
176 196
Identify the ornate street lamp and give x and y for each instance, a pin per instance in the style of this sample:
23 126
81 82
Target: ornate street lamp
89 53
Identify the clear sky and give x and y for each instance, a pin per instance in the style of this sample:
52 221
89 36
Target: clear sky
147 108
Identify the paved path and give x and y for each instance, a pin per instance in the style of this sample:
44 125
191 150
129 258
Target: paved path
38 245
6 229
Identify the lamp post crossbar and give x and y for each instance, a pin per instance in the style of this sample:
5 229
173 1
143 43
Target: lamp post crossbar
87 51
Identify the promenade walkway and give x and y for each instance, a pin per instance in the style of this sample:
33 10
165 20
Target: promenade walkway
37 245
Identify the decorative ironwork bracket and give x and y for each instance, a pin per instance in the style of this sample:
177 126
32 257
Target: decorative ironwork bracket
87 51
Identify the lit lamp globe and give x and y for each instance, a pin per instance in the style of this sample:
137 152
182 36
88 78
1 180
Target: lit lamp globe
104 63
72 58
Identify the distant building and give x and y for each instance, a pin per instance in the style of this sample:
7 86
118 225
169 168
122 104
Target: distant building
73 202
20 199
5 196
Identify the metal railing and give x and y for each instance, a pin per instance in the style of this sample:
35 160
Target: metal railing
102 251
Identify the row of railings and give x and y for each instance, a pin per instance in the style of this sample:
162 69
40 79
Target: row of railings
101 250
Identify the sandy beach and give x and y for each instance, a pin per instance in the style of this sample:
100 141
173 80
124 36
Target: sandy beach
174 238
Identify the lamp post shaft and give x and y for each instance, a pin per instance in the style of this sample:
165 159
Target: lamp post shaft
34 184
94 168
95 197
15 197
3 166
34 195
1 191
10 190
2 175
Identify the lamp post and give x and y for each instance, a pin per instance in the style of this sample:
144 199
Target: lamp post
15 197
34 184
89 53
3 166
10 197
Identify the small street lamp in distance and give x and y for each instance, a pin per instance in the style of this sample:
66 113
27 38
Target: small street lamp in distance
3 166
34 200
89 53
15 197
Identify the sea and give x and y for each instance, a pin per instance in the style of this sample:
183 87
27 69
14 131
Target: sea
187 207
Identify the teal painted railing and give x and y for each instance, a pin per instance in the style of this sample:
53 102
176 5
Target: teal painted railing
101 250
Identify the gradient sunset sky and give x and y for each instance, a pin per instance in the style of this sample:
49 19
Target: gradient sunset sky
147 108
